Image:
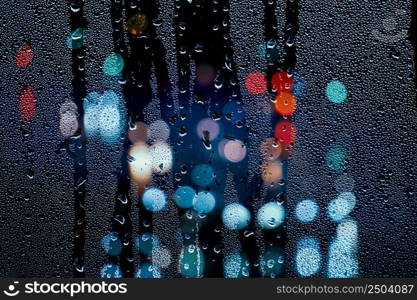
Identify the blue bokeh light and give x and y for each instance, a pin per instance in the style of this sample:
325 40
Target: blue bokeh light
236 265
342 260
191 263
340 207
271 215
272 262
235 216
308 256
147 242
202 175
204 202
306 210
147 270
184 196
110 271
154 199
112 244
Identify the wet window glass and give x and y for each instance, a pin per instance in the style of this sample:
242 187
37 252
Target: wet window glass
208 138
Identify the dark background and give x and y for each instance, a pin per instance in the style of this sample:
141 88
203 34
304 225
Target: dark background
335 41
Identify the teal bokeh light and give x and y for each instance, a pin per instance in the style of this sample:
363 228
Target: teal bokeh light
184 196
76 39
147 242
112 244
202 175
272 262
110 271
192 263
204 202
148 270
336 91
114 64
336 159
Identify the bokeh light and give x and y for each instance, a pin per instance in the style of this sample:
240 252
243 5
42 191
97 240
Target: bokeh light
285 103
208 129
184 196
76 39
204 202
340 207
336 158
205 74
114 64
112 244
110 121
147 270
158 131
138 132
347 233
272 172
154 199
271 149
140 163
234 151
68 123
271 215
306 210
270 51
24 56
344 183
235 216
161 257
146 243
336 91
308 256
236 265
285 132
272 262
342 261
161 157
233 111
111 270
27 104
104 116
282 82
256 83
137 24
191 263
202 175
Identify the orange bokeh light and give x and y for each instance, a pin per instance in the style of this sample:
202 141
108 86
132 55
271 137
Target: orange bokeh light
285 103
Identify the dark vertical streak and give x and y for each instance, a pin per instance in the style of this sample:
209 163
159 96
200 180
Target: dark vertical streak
413 37
291 28
121 222
77 20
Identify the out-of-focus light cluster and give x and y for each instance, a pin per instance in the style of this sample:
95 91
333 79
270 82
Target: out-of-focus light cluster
148 244
104 116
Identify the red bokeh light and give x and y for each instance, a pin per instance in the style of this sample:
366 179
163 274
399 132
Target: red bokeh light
24 56
27 104
282 82
285 132
256 83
